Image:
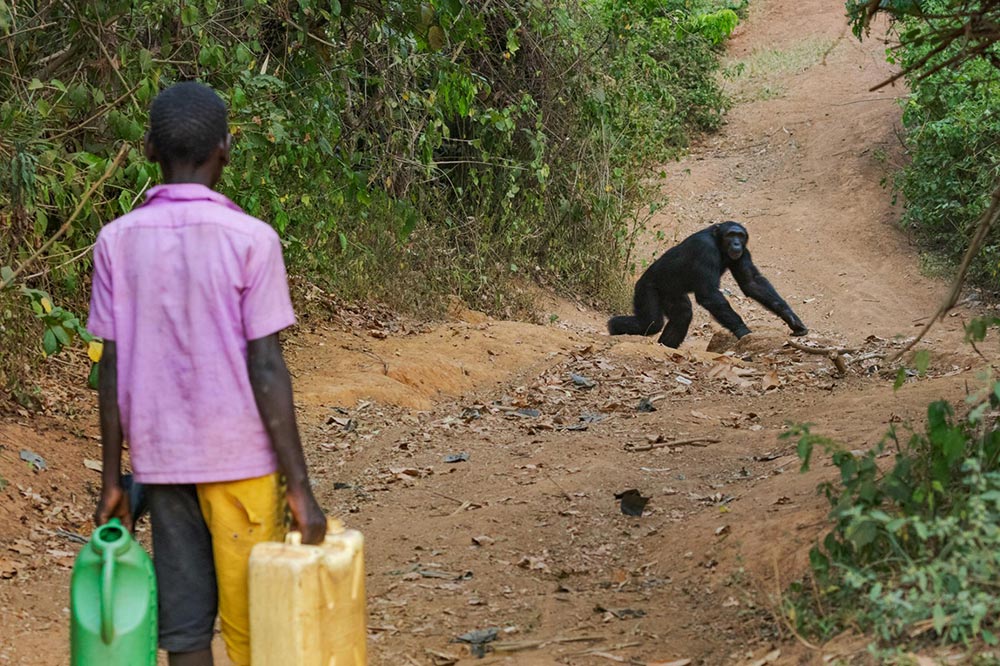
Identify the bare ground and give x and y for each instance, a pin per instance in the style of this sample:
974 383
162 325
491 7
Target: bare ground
526 535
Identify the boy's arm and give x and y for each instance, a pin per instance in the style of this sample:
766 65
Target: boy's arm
272 389
114 500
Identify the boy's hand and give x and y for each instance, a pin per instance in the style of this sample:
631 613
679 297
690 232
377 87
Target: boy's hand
307 516
113 504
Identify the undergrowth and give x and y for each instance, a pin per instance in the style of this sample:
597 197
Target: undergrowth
913 553
404 150
953 141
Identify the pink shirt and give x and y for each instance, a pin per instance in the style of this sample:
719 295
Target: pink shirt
180 284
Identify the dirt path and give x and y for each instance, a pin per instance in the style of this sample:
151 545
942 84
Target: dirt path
526 535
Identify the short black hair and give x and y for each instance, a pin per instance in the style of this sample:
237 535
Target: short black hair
186 122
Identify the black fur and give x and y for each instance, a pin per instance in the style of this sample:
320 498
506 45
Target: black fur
695 266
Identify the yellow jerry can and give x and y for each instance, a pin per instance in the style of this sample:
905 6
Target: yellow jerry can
307 603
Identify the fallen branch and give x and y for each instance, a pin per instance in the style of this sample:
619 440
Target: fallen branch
517 646
72 218
698 441
820 351
985 223
597 650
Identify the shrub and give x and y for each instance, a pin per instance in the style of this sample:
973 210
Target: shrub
953 140
912 553
404 150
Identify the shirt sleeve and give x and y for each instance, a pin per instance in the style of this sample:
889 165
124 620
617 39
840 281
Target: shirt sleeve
101 318
266 304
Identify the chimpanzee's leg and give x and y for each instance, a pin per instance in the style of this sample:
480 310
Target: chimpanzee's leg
678 320
648 318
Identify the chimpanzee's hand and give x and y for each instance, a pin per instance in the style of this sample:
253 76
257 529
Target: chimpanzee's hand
799 330
743 331
307 516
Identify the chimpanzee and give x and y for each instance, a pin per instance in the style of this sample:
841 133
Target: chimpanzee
696 265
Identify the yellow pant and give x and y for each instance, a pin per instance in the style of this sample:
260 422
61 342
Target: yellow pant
240 514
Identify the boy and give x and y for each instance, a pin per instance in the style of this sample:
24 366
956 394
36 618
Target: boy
189 294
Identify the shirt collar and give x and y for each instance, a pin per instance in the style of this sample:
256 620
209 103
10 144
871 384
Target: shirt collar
186 192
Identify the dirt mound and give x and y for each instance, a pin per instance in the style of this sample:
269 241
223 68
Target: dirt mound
340 368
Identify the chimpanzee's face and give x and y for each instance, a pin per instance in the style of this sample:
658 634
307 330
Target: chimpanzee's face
734 240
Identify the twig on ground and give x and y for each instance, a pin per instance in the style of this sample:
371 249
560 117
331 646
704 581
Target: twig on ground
872 99
596 650
517 646
821 351
65 534
385 366
442 495
561 489
697 441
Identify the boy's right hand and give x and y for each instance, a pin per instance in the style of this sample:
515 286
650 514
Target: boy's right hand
113 504
307 516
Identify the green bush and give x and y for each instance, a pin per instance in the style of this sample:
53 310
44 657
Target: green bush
913 551
953 141
403 149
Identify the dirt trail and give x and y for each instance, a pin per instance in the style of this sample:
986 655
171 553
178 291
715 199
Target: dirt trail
526 534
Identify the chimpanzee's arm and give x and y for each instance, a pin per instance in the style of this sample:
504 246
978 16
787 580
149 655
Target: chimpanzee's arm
717 305
758 288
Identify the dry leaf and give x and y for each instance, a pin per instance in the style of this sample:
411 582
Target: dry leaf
768 658
730 374
535 563
441 658
22 547
95 465
770 381
678 662
9 568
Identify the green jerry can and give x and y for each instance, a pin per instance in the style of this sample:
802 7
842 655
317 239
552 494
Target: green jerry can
113 602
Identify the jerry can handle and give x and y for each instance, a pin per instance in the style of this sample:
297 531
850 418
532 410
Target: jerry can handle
107 593
333 527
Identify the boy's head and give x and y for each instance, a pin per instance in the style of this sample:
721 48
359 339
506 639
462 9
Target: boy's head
189 134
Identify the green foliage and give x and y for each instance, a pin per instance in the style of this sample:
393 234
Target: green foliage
714 26
912 543
952 127
436 145
60 327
